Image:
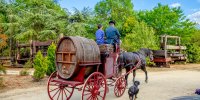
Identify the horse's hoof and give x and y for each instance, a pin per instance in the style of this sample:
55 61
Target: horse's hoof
146 81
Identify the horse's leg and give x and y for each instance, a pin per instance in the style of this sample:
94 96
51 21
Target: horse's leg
134 73
126 76
146 76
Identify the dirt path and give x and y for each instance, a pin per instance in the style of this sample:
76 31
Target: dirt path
164 85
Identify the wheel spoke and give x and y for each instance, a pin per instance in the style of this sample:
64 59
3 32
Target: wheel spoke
101 91
100 96
87 94
65 93
89 97
95 98
55 94
89 87
54 89
58 95
67 90
56 84
62 94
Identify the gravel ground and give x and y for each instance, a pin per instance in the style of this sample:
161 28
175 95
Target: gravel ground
164 84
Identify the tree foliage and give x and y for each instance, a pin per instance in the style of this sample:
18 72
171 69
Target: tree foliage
193 53
117 10
193 47
36 19
25 20
81 23
51 67
40 66
140 36
3 39
166 20
2 69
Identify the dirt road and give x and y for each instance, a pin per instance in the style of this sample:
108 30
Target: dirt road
164 85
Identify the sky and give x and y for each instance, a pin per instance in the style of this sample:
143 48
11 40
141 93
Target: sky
191 8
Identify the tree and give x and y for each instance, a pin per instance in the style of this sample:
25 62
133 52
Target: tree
195 38
166 20
76 29
82 23
193 52
41 19
9 24
51 67
129 25
117 10
3 39
140 36
193 47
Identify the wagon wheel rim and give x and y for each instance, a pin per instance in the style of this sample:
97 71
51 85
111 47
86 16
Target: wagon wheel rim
94 87
58 91
120 87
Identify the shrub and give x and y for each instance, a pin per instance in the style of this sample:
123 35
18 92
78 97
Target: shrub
140 36
24 72
27 66
1 82
193 53
2 70
51 59
40 65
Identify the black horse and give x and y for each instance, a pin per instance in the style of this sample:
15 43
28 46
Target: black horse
130 59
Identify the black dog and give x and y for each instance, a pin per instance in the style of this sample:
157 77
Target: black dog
133 90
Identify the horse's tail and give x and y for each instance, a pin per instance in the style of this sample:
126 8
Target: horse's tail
130 64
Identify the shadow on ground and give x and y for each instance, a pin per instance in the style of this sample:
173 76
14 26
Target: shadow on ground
187 98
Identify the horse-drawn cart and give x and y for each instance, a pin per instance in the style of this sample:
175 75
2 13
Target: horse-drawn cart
81 65
171 51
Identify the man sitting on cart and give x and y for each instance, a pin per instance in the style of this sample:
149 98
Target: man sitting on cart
112 34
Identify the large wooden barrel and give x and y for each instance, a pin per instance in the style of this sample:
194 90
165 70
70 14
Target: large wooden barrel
72 51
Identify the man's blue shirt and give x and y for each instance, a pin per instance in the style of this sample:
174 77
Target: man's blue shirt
99 36
112 35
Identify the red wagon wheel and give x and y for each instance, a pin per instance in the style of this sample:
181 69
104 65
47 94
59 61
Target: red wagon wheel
94 87
58 91
120 86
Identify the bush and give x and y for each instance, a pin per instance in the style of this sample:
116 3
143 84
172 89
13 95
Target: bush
140 36
2 70
193 53
1 82
27 66
51 59
24 72
4 52
40 65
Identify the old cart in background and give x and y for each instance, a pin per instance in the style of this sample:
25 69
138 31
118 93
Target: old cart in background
171 51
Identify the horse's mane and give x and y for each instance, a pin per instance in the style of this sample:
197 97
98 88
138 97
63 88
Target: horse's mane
144 51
